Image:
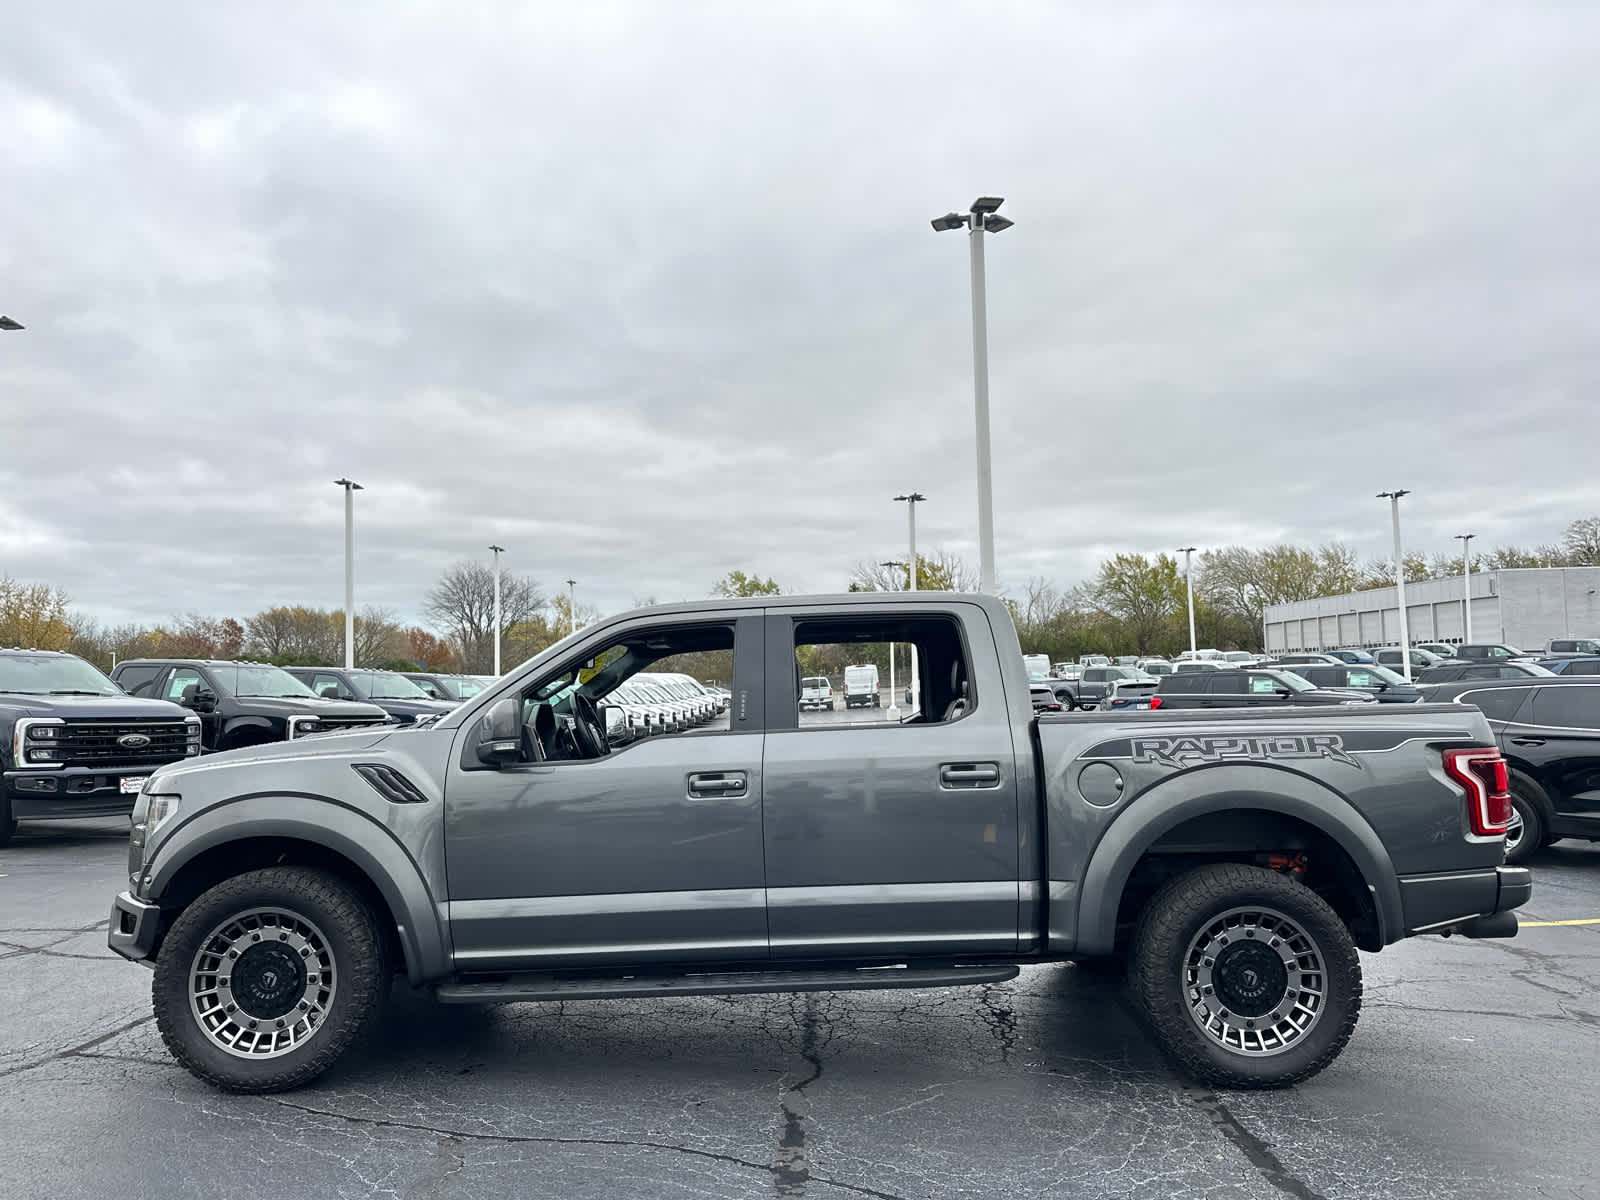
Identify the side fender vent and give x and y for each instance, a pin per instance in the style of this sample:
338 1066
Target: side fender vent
390 784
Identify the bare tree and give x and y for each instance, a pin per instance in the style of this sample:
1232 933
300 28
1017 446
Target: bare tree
1582 542
461 606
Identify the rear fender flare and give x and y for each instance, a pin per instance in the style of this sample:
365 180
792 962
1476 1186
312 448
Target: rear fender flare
336 826
1205 790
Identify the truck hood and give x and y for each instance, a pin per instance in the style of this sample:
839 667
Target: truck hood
114 707
409 708
324 745
313 706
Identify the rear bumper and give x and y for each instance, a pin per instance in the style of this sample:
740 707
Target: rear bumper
1465 902
133 929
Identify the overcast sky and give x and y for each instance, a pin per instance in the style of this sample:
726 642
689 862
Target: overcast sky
646 293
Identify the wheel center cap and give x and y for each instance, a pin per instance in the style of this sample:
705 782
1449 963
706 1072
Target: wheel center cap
1250 978
267 980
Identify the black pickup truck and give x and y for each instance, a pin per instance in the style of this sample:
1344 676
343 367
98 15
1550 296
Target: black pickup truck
73 744
1235 860
242 703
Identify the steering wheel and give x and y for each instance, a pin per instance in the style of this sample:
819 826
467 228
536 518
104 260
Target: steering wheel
587 728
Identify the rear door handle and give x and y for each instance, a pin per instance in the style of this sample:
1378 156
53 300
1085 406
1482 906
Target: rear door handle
969 775
705 784
1521 741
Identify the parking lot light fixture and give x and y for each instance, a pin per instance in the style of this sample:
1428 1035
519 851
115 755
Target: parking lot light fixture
979 221
498 551
9 325
1400 577
912 499
351 487
1466 585
893 715
1188 586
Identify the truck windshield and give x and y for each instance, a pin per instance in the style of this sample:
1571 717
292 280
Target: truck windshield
41 674
386 685
259 681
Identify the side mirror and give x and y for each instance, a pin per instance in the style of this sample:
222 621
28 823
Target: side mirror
500 733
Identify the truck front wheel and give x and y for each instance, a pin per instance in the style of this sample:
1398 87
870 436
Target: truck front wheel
1247 978
267 978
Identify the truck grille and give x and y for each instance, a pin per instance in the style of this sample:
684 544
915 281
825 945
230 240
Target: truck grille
95 743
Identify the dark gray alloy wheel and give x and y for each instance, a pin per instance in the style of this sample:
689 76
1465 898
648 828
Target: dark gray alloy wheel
266 979
1247 977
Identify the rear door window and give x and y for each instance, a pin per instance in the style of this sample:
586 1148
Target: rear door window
1566 707
1498 704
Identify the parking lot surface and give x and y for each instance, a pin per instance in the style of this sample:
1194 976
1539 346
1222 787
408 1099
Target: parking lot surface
1471 1074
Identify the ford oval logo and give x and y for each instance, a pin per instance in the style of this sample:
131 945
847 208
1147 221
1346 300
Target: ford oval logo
134 741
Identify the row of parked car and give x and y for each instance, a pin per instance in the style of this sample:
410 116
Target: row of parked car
75 743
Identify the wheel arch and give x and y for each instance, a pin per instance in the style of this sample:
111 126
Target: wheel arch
247 731
1242 812
223 841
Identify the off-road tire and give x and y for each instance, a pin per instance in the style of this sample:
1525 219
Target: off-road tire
1528 799
347 928
1174 934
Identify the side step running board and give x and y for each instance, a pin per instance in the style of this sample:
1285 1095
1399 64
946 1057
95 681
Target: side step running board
549 987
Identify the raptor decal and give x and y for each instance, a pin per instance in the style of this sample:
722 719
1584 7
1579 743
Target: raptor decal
1189 751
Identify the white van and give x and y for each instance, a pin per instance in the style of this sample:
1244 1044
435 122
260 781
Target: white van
861 687
1038 665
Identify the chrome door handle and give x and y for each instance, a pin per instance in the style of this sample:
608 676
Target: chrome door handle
1523 741
718 783
970 775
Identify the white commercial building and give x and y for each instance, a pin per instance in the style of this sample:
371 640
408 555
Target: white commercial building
1524 608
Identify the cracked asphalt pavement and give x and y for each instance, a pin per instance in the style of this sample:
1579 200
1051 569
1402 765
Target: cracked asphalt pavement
1472 1074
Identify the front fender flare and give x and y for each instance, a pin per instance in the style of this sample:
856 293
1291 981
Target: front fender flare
337 826
1205 790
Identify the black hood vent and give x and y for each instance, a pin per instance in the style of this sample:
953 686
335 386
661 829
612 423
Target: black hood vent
390 784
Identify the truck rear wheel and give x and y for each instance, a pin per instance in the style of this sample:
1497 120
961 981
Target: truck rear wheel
267 978
1247 978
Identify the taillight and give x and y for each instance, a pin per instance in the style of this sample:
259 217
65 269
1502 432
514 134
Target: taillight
1053 706
1484 775
1155 701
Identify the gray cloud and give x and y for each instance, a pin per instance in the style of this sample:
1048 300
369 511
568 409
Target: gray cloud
646 294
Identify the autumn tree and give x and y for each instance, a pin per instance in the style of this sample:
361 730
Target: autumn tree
461 606
737 583
33 615
1582 542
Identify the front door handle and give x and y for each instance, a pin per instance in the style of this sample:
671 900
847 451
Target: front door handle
705 784
969 775
1526 741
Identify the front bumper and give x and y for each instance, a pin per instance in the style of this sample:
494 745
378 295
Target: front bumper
1465 902
73 792
134 928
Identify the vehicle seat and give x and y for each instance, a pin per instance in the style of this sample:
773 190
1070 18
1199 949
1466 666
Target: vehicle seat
957 708
539 734
329 691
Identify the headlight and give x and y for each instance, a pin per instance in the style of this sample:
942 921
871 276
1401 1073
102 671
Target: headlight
300 726
163 807
34 742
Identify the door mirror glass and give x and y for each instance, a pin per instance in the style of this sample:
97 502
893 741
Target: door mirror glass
500 733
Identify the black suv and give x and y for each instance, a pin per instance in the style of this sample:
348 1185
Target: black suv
73 744
401 698
242 703
1455 672
453 688
1245 689
1549 733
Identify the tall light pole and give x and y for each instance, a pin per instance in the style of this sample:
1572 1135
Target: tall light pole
893 714
572 605
1188 586
498 551
1466 584
912 499
350 489
1400 578
981 219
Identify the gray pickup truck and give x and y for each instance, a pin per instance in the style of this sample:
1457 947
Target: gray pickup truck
1234 860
